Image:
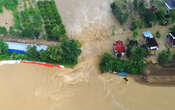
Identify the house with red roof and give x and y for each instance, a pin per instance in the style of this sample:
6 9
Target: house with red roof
119 48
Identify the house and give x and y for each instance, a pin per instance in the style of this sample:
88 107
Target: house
119 48
171 39
150 41
22 47
170 4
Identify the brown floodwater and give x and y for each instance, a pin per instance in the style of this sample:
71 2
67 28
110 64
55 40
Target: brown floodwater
28 87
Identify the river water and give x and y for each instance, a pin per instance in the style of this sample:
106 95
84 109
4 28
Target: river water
29 87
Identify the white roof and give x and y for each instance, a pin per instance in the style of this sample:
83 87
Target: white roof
148 34
23 46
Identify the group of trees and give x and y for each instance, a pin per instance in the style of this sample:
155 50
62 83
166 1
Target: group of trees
53 24
66 53
135 63
147 14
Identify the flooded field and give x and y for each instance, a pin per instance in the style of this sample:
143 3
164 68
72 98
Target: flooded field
28 87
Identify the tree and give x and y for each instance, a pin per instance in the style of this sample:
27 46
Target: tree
71 51
120 14
59 32
32 52
3 47
138 54
54 53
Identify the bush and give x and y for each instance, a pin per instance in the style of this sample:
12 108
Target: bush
3 47
109 63
135 33
32 53
3 31
158 35
138 54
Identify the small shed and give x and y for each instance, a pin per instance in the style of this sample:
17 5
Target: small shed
119 48
171 39
22 47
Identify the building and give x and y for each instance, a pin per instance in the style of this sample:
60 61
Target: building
171 39
150 41
22 47
170 4
119 48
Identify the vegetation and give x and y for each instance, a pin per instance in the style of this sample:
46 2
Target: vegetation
142 13
120 14
110 63
3 31
53 24
67 53
164 57
3 47
158 35
9 4
31 23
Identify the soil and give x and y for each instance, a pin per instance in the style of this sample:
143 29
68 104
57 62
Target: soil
6 19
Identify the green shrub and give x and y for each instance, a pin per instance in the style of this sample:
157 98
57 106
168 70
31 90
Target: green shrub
11 4
32 52
3 47
109 63
3 31
71 51
136 33
158 35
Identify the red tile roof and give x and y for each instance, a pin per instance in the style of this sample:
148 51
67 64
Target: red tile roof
119 46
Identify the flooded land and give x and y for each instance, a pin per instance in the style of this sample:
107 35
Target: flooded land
83 87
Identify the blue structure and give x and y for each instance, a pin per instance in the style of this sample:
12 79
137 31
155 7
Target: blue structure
122 74
22 47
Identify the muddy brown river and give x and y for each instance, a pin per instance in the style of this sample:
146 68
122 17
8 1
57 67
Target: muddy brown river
29 87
